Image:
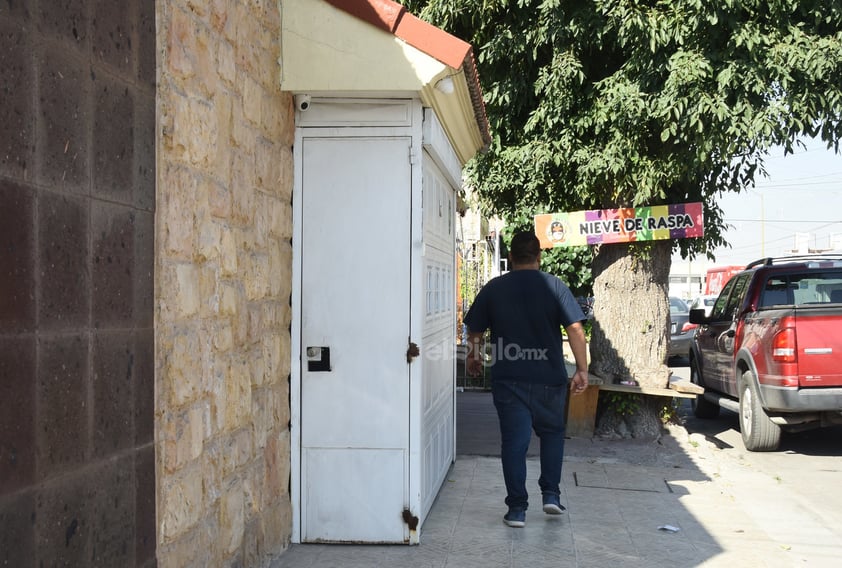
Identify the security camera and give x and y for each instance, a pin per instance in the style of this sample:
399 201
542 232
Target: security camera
302 102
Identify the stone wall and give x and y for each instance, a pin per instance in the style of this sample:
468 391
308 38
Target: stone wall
223 284
77 199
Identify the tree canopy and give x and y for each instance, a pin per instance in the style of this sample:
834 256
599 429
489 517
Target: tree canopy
623 103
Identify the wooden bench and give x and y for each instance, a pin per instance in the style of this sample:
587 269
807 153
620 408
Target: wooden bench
581 408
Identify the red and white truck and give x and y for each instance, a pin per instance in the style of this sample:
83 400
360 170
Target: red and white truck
771 348
717 277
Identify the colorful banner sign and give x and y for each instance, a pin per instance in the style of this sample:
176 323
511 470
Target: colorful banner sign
596 226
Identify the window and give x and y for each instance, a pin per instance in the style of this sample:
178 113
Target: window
802 289
718 310
730 298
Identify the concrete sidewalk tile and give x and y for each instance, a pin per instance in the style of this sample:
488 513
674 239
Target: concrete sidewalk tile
545 533
541 556
430 555
617 494
480 547
296 556
613 476
603 551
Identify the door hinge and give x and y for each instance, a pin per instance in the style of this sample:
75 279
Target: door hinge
412 352
413 157
410 519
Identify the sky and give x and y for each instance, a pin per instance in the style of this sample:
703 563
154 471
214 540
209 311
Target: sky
802 194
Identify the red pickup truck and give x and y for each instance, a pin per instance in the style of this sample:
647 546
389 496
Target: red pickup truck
771 348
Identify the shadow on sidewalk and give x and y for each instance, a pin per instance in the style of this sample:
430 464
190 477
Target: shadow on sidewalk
477 428
478 434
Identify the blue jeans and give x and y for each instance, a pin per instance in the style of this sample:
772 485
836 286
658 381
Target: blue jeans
521 407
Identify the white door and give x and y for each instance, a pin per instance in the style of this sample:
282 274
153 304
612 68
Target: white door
355 300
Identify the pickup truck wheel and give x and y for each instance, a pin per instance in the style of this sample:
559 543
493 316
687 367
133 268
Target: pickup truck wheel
702 408
758 432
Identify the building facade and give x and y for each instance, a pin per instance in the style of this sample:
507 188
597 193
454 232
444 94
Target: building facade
146 182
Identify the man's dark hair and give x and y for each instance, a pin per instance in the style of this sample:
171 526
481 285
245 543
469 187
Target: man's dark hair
525 247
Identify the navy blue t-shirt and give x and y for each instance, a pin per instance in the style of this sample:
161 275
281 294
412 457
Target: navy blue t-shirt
525 310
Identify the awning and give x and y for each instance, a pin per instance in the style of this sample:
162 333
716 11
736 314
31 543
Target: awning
375 48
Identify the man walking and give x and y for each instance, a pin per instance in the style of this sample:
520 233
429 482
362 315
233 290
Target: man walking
525 310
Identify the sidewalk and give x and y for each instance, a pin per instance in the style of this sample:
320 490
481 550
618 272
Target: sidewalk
629 504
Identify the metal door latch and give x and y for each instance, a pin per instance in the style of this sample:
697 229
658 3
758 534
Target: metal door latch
412 352
318 359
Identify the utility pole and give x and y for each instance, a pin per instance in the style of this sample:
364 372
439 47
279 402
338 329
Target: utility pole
762 226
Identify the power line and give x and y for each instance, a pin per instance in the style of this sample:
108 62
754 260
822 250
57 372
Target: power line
782 221
755 245
803 150
828 174
794 185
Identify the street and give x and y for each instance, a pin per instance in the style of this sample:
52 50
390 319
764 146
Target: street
801 484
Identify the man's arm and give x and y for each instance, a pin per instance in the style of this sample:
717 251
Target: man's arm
474 360
579 346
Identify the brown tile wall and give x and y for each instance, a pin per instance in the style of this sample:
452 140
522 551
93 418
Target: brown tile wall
77 200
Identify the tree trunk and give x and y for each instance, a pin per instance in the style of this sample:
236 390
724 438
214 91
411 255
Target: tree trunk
630 332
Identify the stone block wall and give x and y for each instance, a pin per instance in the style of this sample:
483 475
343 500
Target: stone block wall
223 284
77 200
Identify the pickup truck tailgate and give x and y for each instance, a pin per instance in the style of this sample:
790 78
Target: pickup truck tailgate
819 349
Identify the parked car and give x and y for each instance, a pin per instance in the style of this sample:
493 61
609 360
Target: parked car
771 349
681 331
703 302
